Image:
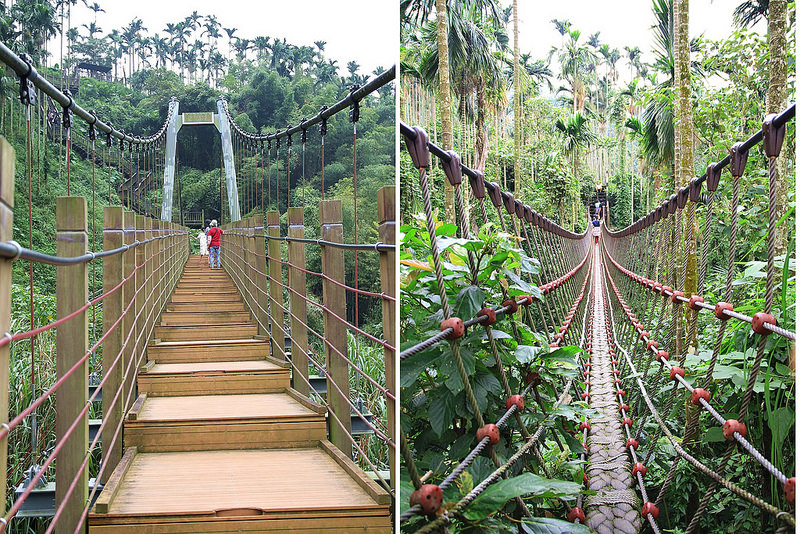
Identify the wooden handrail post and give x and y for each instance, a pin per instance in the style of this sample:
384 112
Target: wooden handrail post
128 289
297 303
386 233
112 309
139 317
333 298
6 233
259 279
275 291
148 281
72 338
157 274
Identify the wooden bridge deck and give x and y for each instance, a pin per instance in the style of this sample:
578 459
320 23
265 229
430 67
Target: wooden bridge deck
217 440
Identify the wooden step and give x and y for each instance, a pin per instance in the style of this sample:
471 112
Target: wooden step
216 422
205 331
213 378
208 351
200 317
315 489
230 305
205 296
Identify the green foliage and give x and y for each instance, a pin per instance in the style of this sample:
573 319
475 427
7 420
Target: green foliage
435 413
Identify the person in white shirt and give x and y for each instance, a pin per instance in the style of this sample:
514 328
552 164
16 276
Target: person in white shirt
201 236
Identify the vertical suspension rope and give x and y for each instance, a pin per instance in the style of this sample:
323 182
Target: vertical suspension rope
288 171
304 138
323 129
269 171
66 118
28 102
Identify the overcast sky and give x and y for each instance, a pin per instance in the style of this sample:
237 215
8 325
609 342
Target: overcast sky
366 31
620 23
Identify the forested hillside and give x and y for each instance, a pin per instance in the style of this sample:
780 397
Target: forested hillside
270 84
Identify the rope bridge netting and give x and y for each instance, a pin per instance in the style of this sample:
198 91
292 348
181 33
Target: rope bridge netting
574 331
303 285
103 330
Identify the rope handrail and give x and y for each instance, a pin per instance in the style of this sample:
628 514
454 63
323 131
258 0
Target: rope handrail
667 366
25 70
353 97
699 465
668 293
482 443
529 214
668 206
11 250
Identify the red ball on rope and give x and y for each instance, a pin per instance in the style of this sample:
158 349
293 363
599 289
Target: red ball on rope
456 324
731 426
490 314
576 513
639 467
788 490
700 393
429 497
515 400
650 508
491 431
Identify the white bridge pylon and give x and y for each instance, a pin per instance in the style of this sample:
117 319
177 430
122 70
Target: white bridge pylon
220 122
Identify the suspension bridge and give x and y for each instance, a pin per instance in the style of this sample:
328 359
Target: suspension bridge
188 399
618 299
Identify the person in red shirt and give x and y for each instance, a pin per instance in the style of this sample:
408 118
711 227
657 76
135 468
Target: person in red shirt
214 235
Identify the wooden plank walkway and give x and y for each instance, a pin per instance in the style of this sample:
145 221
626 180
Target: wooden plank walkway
217 440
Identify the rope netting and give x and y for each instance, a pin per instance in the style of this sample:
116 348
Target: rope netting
557 306
147 255
645 266
632 316
311 314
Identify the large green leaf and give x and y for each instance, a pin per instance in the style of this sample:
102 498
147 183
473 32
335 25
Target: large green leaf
411 367
525 484
547 525
469 302
526 353
441 411
780 422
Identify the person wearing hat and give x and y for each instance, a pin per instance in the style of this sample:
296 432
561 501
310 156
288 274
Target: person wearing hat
214 241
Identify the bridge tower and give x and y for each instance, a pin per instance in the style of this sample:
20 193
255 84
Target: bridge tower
220 122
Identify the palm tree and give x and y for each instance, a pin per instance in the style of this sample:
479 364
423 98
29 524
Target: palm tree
92 29
115 38
575 60
95 7
445 11
161 50
229 32
261 44
776 102
633 57
577 134
131 37
749 12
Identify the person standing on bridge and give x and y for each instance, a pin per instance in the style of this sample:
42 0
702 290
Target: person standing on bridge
596 228
214 236
201 236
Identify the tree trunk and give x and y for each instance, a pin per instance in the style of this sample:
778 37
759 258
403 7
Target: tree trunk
517 109
444 101
481 137
684 167
776 102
